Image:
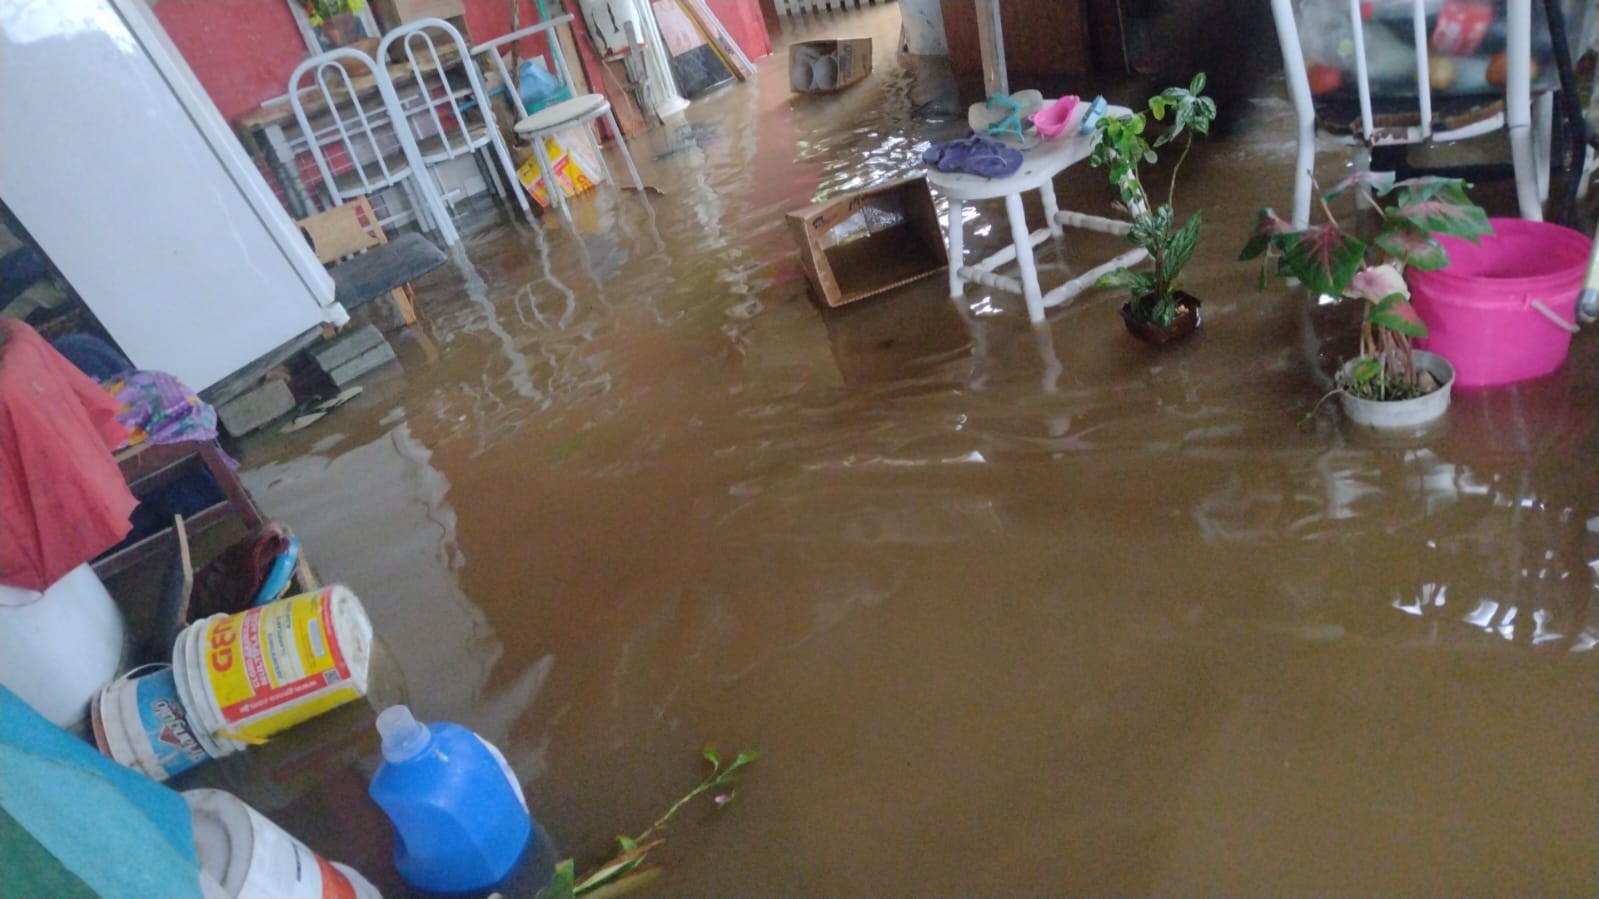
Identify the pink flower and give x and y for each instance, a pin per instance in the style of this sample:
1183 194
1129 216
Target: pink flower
1377 284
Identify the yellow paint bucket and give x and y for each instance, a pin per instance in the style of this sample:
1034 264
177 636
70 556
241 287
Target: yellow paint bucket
269 668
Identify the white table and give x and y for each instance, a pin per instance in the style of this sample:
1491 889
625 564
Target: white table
1040 165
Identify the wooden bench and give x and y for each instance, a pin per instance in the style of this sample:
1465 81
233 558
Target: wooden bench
364 263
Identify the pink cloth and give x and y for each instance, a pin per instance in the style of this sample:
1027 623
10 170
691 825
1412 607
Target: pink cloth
63 500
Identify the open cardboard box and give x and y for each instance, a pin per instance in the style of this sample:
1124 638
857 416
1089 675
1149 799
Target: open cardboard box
864 243
821 67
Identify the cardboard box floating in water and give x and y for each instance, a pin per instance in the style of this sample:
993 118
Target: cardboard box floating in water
861 244
820 67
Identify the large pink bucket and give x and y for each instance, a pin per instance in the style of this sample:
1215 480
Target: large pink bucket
1505 309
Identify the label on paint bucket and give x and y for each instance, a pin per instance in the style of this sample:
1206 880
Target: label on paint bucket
165 725
278 664
334 884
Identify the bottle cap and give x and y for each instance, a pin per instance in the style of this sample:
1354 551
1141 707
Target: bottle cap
404 737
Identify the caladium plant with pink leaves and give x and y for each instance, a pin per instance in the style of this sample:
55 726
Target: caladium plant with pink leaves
1333 262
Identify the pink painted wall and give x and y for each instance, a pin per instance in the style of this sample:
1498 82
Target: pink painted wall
743 20
488 19
241 50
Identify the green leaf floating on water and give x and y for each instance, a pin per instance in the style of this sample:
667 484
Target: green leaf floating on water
625 870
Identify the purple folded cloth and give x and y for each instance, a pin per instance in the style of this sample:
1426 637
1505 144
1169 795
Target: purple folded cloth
974 154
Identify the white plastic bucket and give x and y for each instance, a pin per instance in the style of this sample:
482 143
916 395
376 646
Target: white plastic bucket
139 721
205 712
191 692
59 647
269 668
252 857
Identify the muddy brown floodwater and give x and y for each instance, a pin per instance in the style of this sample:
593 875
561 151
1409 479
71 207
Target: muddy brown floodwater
1008 611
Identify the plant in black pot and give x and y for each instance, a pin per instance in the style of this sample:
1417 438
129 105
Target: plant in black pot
1159 310
1389 384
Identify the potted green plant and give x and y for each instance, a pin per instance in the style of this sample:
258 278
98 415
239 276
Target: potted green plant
336 19
1159 310
1389 384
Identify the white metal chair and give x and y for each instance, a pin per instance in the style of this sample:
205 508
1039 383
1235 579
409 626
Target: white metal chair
1529 128
444 128
379 154
580 111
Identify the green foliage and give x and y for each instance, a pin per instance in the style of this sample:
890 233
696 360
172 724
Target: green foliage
563 883
1190 111
626 867
319 11
1178 249
1331 261
1322 256
1122 148
1404 239
1385 313
1136 283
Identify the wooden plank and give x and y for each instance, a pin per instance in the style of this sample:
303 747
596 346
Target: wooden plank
622 104
726 47
580 80
625 107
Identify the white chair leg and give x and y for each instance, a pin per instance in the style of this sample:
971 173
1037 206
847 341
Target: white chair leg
1543 128
485 167
599 157
1282 12
1023 239
957 247
1588 300
418 209
552 190
1522 156
1518 106
621 145
434 203
503 155
1051 208
1304 174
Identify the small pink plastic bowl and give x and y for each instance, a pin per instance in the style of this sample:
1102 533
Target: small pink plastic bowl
1051 121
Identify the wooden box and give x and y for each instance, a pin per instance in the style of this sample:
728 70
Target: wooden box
864 243
393 13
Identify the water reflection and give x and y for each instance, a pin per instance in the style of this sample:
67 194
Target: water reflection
938 543
381 521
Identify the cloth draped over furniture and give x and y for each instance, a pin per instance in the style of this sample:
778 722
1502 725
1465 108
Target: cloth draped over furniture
63 499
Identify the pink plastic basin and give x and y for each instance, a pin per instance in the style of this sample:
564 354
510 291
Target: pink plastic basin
1496 311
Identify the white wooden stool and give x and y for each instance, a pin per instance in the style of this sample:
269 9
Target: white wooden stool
1040 165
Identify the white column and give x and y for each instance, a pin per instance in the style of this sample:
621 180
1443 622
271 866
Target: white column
661 87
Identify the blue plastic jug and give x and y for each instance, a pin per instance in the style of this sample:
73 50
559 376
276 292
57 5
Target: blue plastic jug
460 821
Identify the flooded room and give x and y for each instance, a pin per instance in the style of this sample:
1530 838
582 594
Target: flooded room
556 448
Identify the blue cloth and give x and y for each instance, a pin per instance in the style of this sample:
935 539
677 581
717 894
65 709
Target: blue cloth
93 356
120 832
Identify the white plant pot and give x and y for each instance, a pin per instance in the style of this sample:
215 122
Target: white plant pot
1402 413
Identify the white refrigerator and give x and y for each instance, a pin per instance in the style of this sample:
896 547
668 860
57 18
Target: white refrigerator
119 166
